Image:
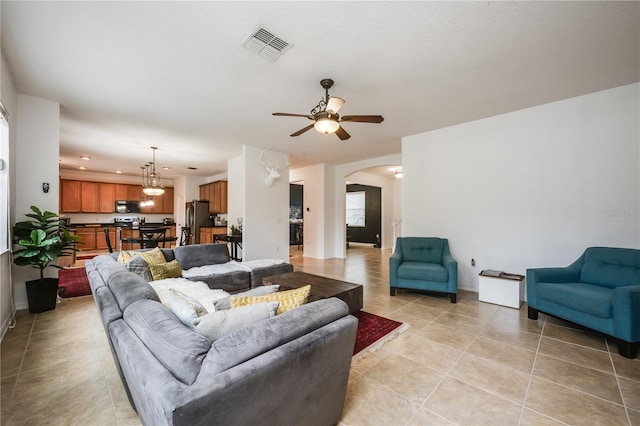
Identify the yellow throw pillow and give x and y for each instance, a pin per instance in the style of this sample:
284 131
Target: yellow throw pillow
161 271
289 299
152 257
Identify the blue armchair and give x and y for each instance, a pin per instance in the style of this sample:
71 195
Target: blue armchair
600 290
421 263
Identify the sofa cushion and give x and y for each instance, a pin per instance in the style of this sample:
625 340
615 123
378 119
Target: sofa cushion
162 271
152 257
611 267
220 323
289 299
250 342
140 267
201 254
178 348
194 289
225 303
423 271
107 305
422 249
588 298
186 308
128 288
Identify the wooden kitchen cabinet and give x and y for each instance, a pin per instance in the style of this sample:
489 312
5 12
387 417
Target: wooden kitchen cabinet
134 192
69 196
121 191
162 204
87 239
216 194
89 197
107 197
207 234
167 201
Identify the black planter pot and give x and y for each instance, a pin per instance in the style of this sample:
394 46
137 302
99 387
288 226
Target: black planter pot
42 295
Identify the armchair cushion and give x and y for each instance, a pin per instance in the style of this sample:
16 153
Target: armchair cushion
591 299
423 271
424 250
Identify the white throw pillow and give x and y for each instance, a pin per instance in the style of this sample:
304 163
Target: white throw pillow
185 308
217 324
225 303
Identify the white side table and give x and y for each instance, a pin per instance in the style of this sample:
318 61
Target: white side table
501 288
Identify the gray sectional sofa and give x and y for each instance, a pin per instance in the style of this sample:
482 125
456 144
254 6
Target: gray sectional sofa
290 369
238 278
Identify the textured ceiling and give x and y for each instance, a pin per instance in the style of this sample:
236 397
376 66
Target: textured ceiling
130 75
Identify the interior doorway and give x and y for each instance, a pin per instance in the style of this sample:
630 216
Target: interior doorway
296 214
364 214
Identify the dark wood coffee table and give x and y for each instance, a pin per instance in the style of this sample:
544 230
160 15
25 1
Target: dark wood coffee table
321 287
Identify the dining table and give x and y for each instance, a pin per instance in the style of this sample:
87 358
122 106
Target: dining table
235 243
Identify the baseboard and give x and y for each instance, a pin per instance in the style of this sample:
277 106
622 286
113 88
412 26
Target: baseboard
5 325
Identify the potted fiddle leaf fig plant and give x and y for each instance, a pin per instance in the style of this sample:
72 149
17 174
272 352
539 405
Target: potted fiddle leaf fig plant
43 240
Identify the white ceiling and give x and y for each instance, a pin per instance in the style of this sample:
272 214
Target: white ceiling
130 75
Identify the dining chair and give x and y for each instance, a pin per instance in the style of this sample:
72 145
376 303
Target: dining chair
185 236
107 238
150 237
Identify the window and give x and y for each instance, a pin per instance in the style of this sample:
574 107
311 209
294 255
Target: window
4 181
355 209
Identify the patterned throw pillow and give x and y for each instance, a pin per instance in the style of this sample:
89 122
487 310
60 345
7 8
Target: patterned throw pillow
187 309
139 266
152 257
161 271
225 303
289 299
217 324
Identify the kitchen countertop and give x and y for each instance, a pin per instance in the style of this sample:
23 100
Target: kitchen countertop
123 225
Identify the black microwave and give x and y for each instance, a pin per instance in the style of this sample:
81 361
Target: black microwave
126 206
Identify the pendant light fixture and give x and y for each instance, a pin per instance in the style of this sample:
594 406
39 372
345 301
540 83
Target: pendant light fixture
151 183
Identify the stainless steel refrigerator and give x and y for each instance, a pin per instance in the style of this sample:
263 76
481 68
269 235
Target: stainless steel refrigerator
197 215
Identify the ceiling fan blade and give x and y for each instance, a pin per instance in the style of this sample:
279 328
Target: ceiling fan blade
363 118
334 104
301 131
342 134
286 114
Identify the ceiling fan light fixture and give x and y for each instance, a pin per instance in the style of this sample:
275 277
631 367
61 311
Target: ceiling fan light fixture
334 104
326 125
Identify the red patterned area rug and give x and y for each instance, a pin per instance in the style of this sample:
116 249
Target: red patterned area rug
374 331
73 282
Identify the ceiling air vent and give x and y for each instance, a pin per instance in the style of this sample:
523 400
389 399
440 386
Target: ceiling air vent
266 44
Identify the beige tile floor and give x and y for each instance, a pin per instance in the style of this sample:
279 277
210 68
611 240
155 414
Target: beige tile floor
468 363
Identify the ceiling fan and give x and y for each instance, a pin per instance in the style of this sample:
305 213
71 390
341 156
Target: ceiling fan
326 118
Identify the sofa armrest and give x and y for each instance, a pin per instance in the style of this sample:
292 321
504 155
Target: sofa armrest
626 312
394 262
553 275
452 269
570 274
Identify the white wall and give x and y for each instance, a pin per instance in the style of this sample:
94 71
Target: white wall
266 209
9 99
529 188
235 190
38 142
